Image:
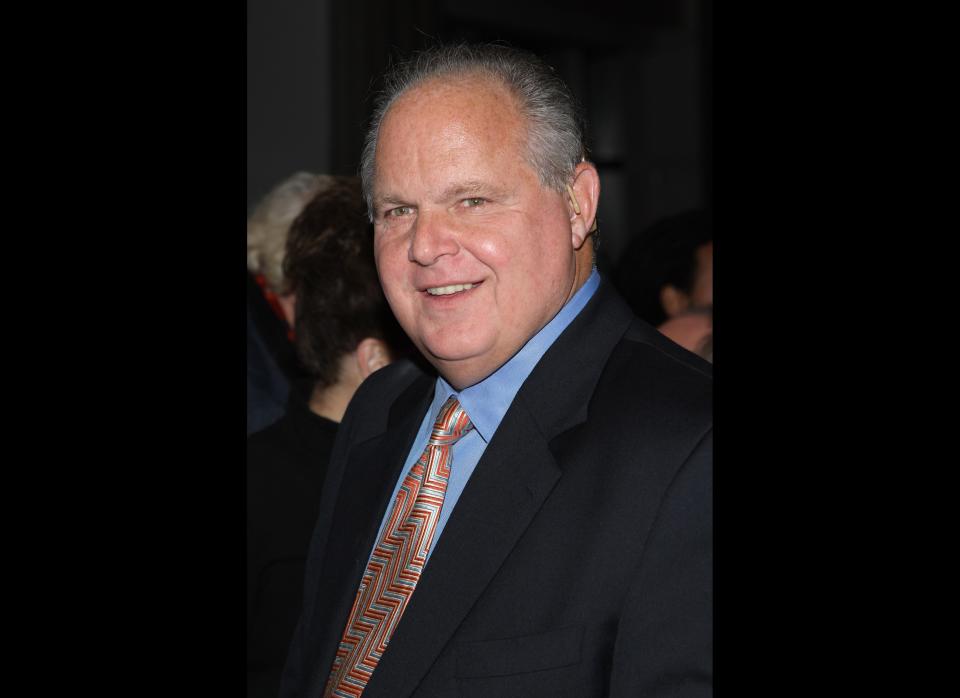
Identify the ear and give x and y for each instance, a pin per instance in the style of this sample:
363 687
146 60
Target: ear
673 300
288 304
372 354
583 205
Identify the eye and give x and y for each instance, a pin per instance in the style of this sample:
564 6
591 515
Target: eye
398 212
473 202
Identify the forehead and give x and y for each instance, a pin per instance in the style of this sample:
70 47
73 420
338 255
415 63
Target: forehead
453 113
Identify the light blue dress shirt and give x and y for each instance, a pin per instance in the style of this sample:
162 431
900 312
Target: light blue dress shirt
485 404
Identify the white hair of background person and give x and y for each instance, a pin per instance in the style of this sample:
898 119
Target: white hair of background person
270 222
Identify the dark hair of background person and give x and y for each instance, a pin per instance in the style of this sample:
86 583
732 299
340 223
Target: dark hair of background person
329 266
665 253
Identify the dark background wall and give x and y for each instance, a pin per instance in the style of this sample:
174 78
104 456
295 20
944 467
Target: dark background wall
289 73
643 75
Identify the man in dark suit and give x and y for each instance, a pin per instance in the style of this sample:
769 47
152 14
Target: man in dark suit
537 519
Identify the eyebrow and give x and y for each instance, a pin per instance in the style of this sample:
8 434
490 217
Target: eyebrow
454 191
381 202
459 189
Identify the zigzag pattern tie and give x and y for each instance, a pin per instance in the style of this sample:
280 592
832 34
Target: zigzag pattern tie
398 558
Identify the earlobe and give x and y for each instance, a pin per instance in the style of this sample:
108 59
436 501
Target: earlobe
378 358
372 354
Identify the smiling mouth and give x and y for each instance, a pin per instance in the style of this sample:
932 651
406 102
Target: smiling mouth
449 290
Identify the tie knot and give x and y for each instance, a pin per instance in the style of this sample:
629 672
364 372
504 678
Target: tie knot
451 424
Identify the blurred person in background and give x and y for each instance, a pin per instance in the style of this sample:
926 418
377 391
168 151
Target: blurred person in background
344 331
693 330
668 269
271 361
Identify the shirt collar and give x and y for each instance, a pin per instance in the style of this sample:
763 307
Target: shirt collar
487 401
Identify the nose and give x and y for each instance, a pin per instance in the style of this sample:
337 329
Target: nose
433 237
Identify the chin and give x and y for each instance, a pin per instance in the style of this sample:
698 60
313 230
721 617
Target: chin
454 348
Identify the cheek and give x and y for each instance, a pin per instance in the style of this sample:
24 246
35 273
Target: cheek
391 266
509 246
491 251
389 257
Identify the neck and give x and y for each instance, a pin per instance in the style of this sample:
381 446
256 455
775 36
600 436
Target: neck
330 402
461 375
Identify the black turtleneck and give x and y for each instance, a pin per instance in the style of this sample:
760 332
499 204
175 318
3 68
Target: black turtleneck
286 465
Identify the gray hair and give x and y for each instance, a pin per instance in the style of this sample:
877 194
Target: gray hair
555 129
270 222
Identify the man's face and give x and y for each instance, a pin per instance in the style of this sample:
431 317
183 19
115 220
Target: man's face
475 257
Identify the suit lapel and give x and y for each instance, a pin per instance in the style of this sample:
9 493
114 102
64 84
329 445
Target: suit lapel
511 482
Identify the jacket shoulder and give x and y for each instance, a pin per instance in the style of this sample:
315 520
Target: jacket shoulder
369 409
656 365
654 394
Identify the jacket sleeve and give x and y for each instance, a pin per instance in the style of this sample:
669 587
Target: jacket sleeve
664 644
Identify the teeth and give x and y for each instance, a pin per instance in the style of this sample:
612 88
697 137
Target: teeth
447 290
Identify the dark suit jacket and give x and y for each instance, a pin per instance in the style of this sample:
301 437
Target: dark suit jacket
578 559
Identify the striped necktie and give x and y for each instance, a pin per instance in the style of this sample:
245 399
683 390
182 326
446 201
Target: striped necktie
398 558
